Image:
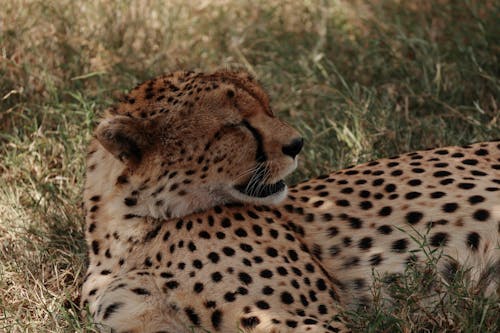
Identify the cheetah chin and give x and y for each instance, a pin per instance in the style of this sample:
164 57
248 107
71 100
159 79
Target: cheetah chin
256 190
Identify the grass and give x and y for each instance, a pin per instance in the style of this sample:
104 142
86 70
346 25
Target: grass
360 80
422 301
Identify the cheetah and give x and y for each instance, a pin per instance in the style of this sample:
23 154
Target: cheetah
382 216
175 146
190 225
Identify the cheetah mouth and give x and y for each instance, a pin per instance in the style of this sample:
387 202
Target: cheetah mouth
259 190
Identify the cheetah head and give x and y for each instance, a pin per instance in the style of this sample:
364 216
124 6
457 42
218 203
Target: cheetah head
189 141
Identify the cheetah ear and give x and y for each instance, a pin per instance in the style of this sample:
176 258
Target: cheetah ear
124 137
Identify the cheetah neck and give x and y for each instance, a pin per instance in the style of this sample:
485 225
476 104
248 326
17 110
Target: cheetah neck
114 198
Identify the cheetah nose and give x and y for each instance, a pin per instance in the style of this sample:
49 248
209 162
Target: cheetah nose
293 148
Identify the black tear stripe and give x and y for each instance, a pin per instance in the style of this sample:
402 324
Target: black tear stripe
260 155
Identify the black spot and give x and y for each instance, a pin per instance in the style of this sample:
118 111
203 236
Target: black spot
95 247
375 259
262 305
230 297
225 223
475 199
111 309
152 234
412 195
271 252
437 195
293 255
216 276
364 194
333 231
447 181
320 284
198 287
267 290
245 278
122 179
359 283
334 250
228 251
400 245
310 321
415 182
466 186
481 152
365 243
240 232
267 274
214 257
204 234
385 229
179 224
347 190
216 319
350 262
473 239
390 188
193 317
239 217
130 201
481 214
439 239
291 323
257 230
342 203
197 264
397 173
470 162
441 174
250 322
242 291
172 284
246 247
365 205
385 211
355 223
95 198
414 217
274 233
141 291
450 207
286 298
282 271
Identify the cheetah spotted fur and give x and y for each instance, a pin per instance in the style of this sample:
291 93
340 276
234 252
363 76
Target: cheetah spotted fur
169 253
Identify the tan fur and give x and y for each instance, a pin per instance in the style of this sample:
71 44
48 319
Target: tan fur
198 273
179 146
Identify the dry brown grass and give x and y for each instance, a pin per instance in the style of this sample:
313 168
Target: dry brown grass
360 79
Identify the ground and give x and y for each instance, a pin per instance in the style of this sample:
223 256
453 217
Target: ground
359 79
